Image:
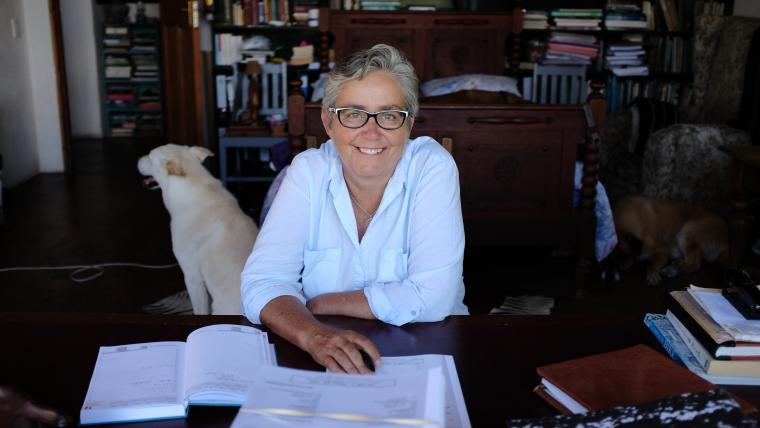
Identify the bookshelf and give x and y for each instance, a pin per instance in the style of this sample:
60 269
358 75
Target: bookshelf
260 47
643 47
131 76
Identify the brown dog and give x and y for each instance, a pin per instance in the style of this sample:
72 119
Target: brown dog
669 229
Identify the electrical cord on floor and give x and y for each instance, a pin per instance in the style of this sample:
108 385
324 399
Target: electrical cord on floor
79 270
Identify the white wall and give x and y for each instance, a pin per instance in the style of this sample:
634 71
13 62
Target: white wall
79 45
747 8
18 140
39 45
30 131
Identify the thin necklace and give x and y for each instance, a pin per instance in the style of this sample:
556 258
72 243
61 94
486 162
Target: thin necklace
361 208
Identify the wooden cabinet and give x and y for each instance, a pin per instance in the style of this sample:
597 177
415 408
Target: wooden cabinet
516 167
439 44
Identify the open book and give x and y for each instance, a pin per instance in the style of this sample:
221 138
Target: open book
158 380
287 397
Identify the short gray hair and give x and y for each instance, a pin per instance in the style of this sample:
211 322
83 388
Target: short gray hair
377 58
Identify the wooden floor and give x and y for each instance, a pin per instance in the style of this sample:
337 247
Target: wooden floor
100 213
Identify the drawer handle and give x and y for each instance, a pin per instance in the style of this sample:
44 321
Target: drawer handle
498 120
378 21
462 22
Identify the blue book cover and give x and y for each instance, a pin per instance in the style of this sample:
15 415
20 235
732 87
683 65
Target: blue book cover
671 341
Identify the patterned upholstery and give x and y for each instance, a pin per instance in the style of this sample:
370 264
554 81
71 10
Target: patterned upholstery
683 161
725 87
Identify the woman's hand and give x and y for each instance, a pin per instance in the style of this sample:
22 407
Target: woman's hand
339 350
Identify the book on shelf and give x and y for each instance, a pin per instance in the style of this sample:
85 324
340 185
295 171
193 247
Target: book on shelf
628 376
158 380
671 341
626 71
282 396
670 14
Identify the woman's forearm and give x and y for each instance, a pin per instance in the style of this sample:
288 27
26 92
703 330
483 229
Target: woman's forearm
347 303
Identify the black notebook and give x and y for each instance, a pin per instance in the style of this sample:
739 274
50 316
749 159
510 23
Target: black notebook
709 408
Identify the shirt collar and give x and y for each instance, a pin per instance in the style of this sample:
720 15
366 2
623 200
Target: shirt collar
395 185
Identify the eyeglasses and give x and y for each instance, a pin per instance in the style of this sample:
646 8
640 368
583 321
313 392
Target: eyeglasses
355 118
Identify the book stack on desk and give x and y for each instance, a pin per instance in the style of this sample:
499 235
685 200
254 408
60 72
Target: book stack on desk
704 332
627 377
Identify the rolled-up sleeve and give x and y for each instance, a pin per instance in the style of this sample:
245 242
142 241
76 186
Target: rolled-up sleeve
274 267
433 287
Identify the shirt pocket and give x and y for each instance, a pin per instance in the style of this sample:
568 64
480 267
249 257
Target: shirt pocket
392 266
320 271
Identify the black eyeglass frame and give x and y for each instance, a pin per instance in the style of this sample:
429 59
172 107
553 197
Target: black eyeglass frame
337 110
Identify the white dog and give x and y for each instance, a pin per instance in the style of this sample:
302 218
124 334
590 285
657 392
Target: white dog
211 236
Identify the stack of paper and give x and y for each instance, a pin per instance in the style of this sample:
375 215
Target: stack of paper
417 390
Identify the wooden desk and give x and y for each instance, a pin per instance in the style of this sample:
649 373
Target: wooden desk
51 356
744 180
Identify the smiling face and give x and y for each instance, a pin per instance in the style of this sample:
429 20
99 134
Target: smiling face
369 153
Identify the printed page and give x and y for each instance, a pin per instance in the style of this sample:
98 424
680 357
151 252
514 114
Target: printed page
222 361
724 313
299 398
456 411
136 382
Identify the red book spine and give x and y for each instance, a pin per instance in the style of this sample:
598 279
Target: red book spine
248 12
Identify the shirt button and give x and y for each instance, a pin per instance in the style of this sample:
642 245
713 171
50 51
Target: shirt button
414 313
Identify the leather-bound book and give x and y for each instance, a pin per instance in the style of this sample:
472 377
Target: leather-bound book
629 376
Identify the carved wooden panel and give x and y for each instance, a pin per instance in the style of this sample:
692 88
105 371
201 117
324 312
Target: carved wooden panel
453 53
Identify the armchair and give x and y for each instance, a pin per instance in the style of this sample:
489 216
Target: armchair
682 161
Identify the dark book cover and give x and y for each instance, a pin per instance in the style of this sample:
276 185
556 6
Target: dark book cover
711 408
633 375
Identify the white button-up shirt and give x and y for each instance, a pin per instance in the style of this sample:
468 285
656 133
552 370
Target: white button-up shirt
409 262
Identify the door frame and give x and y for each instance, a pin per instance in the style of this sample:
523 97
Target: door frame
61 83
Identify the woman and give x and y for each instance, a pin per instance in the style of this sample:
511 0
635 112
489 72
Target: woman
367 226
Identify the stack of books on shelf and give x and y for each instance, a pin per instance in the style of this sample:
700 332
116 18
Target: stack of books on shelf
116 39
536 20
121 99
306 12
381 5
627 17
626 58
227 48
123 124
118 67
705 333
149 98
570 49
145 68
302 55
577 19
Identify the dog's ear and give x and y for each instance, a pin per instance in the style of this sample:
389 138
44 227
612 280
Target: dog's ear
201 152
174 168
